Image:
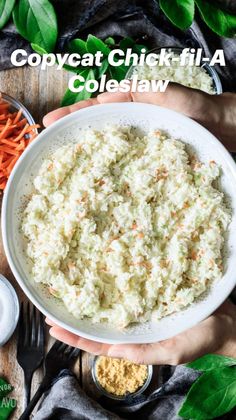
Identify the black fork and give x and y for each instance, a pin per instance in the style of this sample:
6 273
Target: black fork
30 344
60 356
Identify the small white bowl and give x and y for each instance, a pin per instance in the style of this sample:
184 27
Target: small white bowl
67 130
9 310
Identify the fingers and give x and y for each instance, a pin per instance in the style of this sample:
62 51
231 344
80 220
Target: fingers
183 348
50 322
53 116
165 353
190 102
109 97
179 98
103 98
209 336
76 341
176 97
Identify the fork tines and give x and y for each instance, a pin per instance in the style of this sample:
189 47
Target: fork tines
59 347
30 327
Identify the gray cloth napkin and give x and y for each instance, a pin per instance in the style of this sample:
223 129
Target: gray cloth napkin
67 401
136 18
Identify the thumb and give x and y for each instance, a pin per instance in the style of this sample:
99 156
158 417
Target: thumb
190 102
184 347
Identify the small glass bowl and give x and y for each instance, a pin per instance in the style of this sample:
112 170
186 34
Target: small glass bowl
127 396
16 106
209 69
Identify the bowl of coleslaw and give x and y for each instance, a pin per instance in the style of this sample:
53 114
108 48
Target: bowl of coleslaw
118 224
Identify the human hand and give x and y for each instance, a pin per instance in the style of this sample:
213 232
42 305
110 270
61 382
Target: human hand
215 112
217 334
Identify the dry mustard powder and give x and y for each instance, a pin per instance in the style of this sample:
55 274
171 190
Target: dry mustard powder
119 376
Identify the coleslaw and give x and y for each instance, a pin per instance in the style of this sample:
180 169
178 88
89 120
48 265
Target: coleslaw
125 227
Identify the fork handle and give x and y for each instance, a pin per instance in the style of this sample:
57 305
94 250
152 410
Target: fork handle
27 382
42 388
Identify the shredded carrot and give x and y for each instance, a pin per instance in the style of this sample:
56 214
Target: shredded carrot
6 162
15 135
18 116
21 123
31 127
3 185
3 106
22 133
9 142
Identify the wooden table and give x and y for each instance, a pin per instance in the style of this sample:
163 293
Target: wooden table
41 92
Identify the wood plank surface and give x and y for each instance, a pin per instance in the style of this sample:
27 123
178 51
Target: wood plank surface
41 92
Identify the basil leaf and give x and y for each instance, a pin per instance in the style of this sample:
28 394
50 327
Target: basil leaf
38 49
138 47
118 73
180 12
220 21
36 21
211 361
73 97
78 46
5 388
94 44
72 69
7 406
110 41
211 396
103 68
126 43
6 7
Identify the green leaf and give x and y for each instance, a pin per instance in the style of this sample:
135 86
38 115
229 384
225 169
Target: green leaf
7 406
36 21
102 70
138 47
126 43
211 361
180 12
6 7
130 43
73 97
94 44
5 388
110 41
118 73
73 69
78 46
220 21
211 396
38 49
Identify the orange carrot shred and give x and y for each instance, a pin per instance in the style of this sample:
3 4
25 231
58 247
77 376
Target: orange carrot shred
7 162
22 133
18 116
3 185
8 150
15 135
9 143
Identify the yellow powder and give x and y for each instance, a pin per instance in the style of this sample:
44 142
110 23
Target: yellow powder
119 376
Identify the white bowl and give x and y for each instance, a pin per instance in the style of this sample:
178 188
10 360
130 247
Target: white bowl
145 117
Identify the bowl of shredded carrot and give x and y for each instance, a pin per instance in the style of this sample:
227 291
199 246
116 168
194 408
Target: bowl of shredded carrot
17 130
